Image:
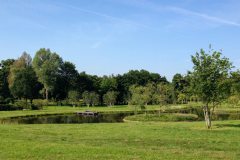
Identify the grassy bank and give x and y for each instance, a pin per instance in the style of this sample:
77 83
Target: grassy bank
164 117
165 140
120 108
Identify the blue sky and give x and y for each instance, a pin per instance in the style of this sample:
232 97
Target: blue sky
113 36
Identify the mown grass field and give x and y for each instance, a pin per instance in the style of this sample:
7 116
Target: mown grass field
130 140
162 140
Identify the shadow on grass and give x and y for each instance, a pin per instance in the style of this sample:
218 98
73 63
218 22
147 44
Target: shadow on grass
227 125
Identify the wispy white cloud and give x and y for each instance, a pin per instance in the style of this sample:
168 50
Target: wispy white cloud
179 10
110 17
118 25
203 15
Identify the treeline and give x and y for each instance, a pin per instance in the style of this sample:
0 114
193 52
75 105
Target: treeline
48 76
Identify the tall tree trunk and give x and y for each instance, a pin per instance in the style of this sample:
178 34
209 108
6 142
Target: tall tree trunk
46 92
159 112
207 116
135 110
26 103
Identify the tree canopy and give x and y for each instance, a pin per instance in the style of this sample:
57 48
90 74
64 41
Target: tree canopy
22 78
210 79
47 66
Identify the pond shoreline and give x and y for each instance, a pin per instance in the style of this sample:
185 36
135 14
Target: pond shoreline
45 116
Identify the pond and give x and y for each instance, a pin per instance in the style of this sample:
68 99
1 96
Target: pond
113 117
67 118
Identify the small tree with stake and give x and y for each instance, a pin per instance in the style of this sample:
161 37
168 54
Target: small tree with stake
90 98
74 97
86 98
110 98
161 95
210 80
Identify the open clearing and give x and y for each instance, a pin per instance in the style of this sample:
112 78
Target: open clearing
162 140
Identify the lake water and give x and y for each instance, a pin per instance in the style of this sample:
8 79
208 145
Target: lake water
67 119
101 118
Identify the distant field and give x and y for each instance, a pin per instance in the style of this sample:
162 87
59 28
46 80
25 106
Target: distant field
135 141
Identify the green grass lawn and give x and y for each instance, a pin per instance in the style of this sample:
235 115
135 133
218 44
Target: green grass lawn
133 141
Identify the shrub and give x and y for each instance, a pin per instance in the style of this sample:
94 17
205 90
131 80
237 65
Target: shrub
36 106
22 104
233 100
226 116
40 102
9 107
64 103
9 100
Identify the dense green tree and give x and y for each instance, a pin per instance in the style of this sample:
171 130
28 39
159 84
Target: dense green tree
235 81
4 73
142 77
90 98
181 85
162 94
66 81
85 82
138 96
94 98
182 98
108 83
149 92
22 78
86 98
110 98
88 82
209 80
73 97
135 77
47 67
